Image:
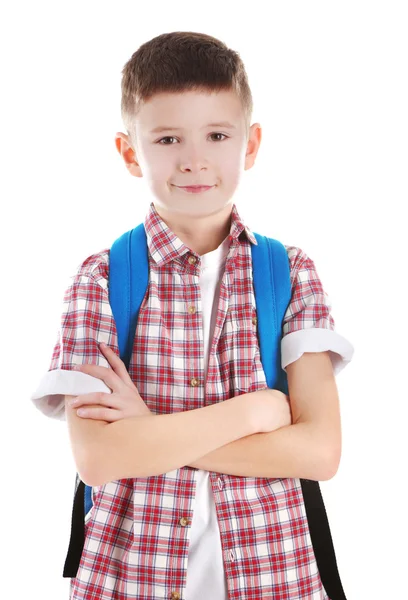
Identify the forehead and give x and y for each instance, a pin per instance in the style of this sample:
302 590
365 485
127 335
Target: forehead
190 109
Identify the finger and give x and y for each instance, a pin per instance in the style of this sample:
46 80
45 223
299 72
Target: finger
95 398
117 364
100 413
108 376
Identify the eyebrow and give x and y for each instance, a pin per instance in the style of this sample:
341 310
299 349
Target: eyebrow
166 128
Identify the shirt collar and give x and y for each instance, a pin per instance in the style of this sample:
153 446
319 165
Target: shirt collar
164 245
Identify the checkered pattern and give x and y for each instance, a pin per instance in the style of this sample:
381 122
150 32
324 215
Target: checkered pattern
136 546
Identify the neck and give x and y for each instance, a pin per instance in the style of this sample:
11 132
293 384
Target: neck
202 234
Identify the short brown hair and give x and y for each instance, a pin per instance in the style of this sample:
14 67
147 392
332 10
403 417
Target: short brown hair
182 61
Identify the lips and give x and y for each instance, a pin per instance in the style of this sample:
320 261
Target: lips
194 187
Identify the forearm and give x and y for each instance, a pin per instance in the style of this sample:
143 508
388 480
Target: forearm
156 444
292 451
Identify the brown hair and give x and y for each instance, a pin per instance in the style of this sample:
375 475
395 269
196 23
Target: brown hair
182 61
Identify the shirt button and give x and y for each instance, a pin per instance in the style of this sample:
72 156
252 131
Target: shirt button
184 521
192 260
175 596
194 382
191 309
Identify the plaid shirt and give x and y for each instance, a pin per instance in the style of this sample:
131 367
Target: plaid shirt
138 533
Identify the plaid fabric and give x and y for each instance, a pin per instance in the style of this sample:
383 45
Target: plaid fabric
137 534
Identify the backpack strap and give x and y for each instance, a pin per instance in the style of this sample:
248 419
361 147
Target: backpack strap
77 539
272 288
128 281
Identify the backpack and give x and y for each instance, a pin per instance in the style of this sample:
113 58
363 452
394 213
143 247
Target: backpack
128 281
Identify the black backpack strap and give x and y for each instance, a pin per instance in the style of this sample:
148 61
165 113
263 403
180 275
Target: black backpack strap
321 539
77 540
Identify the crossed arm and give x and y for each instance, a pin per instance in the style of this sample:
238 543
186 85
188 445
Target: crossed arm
291 451
310 448
222 437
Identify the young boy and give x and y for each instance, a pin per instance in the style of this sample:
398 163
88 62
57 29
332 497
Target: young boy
219 515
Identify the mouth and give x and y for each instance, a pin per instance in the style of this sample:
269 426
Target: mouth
195 188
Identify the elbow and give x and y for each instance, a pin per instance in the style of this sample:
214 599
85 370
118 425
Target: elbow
89 477
87 473
91 473
329 465
91 481
328 452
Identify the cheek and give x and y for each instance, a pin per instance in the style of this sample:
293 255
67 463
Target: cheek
235 178
158 167
234 159
232 167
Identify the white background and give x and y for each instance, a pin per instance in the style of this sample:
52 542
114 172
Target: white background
329 81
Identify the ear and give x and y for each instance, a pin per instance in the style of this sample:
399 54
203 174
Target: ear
127 152
254 141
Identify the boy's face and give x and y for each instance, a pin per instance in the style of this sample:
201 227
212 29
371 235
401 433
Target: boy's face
191 152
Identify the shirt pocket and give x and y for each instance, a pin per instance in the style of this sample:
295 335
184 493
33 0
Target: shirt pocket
237 347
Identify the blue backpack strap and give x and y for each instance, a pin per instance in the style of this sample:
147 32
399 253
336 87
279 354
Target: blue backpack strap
272 288
128 280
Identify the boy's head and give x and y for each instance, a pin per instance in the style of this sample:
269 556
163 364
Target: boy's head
188 82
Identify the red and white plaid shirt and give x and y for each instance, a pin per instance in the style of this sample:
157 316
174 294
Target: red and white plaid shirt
190 534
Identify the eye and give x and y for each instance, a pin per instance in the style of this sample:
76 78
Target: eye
219 134
170 137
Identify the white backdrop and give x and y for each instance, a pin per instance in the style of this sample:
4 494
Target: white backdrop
329 82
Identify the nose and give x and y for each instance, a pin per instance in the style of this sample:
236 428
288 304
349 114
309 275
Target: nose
192 168
193 163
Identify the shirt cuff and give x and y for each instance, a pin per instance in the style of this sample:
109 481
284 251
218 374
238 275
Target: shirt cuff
49 395
316 339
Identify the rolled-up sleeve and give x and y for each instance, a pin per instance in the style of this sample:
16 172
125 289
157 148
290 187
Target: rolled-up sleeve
308 325
86 321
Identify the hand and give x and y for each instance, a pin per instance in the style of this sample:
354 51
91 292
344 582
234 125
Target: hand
272 409
124 402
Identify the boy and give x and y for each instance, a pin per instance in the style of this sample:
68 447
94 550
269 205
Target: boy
229 521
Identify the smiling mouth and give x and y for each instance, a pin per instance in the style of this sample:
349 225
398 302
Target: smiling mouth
194 189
